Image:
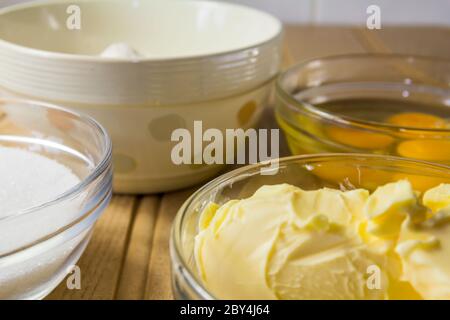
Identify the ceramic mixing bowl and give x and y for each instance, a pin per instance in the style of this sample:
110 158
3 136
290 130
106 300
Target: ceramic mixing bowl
178 61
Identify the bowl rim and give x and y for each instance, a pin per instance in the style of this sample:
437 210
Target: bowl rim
70 57
98 169
177 257
310 109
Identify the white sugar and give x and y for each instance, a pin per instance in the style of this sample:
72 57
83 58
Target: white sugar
28 179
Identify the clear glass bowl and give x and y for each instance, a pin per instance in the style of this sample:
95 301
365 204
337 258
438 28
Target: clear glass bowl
39 245
351 103
310 172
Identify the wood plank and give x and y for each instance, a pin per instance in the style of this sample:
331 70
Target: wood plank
101 263
430 41
134 273
287 58
158 282
308 42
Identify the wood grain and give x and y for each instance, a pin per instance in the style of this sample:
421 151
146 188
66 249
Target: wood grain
308 42
101 262
428 41
158 281
134 273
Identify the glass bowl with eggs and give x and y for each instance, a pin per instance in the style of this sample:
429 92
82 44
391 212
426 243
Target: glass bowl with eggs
367 103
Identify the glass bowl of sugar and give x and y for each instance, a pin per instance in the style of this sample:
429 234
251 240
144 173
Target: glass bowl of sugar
55 182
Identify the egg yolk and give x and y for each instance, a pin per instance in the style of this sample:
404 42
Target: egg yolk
417 120
359 139
425 149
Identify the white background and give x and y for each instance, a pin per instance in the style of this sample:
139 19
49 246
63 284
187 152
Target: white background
433 12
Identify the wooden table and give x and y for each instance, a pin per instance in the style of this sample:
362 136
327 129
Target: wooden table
128 256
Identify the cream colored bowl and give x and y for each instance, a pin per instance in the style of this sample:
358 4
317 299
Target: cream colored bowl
199 60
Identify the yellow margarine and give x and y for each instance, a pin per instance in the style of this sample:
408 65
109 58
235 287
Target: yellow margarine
425 247
287 243
437 198
283 239
388 206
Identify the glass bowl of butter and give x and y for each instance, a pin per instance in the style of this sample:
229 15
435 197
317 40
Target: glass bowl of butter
326 226
56 180
367 103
